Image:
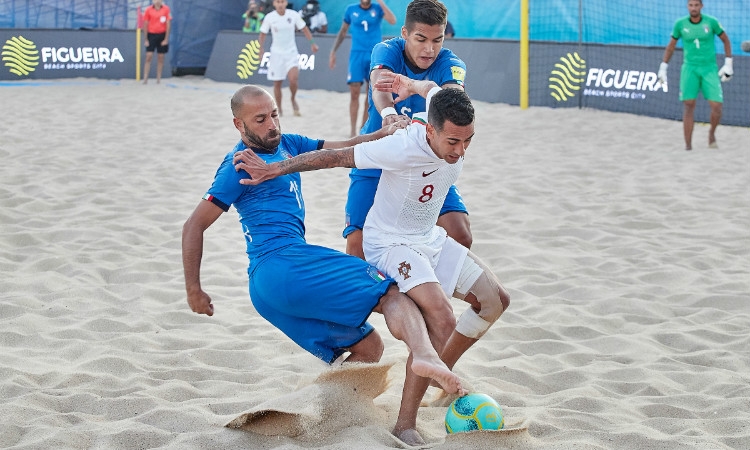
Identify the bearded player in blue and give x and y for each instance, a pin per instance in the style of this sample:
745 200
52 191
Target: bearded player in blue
319 297
418 54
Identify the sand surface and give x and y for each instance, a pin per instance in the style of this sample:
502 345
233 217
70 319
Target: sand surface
627 259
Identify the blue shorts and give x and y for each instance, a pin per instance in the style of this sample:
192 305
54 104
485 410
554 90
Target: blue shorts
362 194
319 297
359 68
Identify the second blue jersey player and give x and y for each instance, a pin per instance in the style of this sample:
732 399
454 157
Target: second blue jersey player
364 19
419 55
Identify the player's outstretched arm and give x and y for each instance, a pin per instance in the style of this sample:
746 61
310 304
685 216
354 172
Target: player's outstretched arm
397 123
402 85
259 171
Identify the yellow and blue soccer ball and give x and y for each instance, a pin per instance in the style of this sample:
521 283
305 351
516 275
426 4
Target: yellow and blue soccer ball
474 412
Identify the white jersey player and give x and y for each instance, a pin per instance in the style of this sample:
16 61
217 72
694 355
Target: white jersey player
284 60
401 223
400 237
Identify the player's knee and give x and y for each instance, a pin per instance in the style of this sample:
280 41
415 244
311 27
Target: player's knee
368 350
463 236
493 300
491 296
458 227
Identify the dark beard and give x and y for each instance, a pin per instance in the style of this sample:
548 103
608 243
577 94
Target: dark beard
267 145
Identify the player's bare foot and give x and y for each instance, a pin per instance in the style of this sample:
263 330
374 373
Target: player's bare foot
409 437
295 107
437 370
713 143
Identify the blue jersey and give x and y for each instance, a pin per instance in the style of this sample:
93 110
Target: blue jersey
272 214
446 69
364 25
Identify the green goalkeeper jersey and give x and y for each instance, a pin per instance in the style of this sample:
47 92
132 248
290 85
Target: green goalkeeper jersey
698 39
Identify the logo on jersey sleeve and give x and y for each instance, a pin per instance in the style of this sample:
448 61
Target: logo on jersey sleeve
459 73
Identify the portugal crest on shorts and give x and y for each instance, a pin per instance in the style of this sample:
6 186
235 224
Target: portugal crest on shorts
403 269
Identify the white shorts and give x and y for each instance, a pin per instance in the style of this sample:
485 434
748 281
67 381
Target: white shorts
442 261
280 64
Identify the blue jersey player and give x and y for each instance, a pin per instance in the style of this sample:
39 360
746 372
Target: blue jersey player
419 55
318 297
363 19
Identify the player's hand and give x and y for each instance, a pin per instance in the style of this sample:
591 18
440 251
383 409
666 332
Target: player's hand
314 47
332 60
254 165
200 303
726 71
394 83
662 75
402 86
394 119
399 123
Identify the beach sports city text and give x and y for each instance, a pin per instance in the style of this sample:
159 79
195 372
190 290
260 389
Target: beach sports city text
630 84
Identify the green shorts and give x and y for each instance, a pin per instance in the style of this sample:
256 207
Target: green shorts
703 78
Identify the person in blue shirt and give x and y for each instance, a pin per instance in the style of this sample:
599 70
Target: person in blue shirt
419 55
364 20
319 297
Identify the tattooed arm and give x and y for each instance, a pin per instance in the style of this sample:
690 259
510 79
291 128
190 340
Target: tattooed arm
318 159
335 154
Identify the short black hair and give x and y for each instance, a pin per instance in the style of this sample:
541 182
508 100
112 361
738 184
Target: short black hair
427 12
450 104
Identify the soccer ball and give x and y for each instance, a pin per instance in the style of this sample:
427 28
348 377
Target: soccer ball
473 412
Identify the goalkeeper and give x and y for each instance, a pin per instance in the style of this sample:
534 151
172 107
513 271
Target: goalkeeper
699 69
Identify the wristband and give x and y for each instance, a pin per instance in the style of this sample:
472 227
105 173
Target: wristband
389 111
312 41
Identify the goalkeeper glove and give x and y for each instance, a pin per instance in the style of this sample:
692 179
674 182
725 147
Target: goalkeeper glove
662 74
726 72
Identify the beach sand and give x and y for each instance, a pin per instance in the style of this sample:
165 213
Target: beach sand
627 259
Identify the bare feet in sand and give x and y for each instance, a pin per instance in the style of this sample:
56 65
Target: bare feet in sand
409 437
295 107
436 369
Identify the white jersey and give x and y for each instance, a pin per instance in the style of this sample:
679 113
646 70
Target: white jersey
411 190
282 30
